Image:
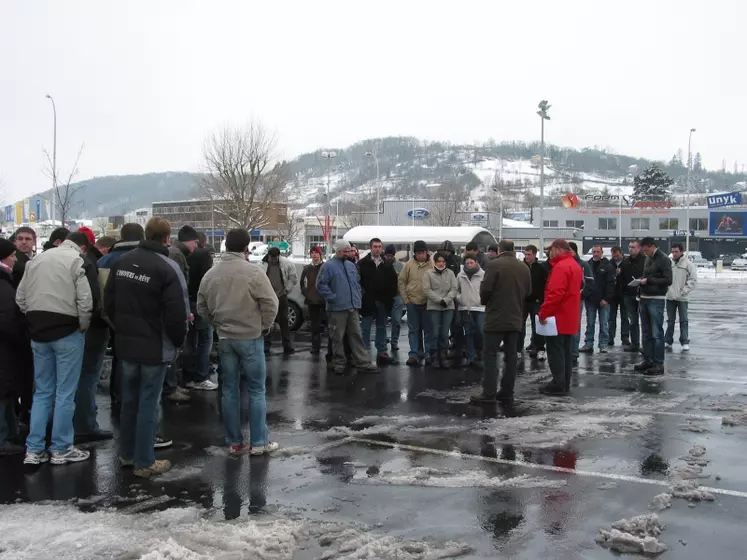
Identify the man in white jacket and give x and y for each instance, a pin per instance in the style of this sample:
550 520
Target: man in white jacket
684 278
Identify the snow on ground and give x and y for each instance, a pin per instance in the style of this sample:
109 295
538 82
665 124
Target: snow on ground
62 532
709 275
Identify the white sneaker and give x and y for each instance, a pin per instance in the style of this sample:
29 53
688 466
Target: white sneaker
541 356
36 458
70 455
685 347
206 385
262 449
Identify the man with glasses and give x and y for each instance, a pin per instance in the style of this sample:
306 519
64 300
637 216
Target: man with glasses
632 269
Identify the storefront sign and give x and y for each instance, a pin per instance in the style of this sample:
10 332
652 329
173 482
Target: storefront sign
572 201
721 200
418 213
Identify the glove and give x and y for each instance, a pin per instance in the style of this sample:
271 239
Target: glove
444 304
266 332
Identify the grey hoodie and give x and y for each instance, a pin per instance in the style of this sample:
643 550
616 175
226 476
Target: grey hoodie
440 286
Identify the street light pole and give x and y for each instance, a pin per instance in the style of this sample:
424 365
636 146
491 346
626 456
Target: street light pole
544 107
378 188
329 156
689 188
54 159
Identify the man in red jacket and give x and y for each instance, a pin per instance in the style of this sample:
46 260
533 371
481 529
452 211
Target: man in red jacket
562 301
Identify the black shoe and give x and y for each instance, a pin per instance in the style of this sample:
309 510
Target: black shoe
553 390
575 361
267 350
481 398
339 370
626 343
12 449
289 350
162 443
586 350
631 348
611 343
316 351
654 370
504 397
98 435
384 359
643 366
429 360
413 361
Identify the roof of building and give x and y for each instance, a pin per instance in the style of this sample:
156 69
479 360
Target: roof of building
410 234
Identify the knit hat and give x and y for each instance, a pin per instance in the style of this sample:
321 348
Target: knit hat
419 247
341 245
6 249
88 232
316 249
188 233
390 250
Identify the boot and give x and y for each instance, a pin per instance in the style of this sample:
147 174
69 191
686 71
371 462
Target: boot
443 360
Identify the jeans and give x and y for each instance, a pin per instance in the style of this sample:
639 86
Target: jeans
196 357
139 413
8 425
652 330
57 368
418 330
84 418
592 309
631 310
247 356
615 306
379 315
531 308
510 340
440 324
397 309
282 320
473 322
560 359
673 308
316 314
576 338
342 325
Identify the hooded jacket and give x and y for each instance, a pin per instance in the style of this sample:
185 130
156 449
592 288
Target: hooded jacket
287 272
468 297
198 262
684 279
378 283
563 294
410 281
340 285
440 285
504 290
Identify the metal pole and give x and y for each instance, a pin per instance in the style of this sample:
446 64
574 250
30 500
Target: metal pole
500 230
54 160
212 226
378 192
542 186
687 212
620 219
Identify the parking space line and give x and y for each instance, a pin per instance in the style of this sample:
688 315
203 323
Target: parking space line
551 468
631 410
660 378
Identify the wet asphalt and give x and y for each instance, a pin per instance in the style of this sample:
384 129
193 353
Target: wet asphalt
343 437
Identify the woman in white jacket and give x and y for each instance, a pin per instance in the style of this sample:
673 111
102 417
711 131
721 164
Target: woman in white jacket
471 310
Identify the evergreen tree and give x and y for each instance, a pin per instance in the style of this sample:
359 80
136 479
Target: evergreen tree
652 184
698 163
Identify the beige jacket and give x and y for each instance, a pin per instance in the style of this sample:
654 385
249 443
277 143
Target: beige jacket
411 281
236 296
440 286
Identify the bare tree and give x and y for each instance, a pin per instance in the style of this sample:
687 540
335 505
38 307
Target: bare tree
244 176
64 193
100 226
452 200
294 226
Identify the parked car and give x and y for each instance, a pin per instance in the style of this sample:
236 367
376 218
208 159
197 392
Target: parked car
739 264
728 259
700 262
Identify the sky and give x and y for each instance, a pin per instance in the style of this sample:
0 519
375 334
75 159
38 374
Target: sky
141 84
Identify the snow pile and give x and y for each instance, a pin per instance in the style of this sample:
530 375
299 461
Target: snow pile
439 478
383 425
683 477
636 535
661 502
737 419
38 532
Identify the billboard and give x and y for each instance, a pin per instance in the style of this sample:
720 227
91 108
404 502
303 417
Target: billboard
726 199
728 224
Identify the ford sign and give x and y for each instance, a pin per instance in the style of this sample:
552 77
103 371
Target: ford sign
477 217
721 200
418 213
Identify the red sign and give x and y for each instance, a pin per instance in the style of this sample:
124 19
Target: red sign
652 204
326 228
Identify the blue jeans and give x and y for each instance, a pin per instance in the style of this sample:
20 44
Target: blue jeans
652 330
57 368
673 308
84 419
473 322
235 356
139 413
440 325
418 330
8 425
397 309
380 316
592 309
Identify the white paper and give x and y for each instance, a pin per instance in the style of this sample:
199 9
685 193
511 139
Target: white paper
550 329
634 283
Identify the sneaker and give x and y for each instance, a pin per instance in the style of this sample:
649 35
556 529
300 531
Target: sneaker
413 361
643 366
367 368
162 443
668 347
206 385
654 370
685 347
241 449
586 350
126 463
541 355
384 358
70 455
36 458
182 390
603 350
177 397
262 449
158 467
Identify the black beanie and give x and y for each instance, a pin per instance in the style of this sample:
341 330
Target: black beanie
188 233
390 250
419 246
6 249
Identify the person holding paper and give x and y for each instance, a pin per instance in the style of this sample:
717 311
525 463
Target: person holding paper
563 302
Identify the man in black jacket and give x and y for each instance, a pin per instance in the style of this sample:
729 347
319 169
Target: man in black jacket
600 292
25 241
632 269
146 300
655 281
618 303
539 272
378 288
196 357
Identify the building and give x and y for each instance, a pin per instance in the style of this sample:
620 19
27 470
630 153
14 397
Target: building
139 216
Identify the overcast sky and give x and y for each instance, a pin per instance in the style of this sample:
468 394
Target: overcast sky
142 82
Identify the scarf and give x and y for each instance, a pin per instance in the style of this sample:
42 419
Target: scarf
470 272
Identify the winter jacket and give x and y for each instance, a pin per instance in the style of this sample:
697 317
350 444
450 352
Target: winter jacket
684 279
309 276
504 290
563 294
107 261
340 285
378 283
619 286
453 262
658 272
17 363
198 262
468 297
410 281
94 255
55 295
631 269
92 275
481 258
178 253
538 271
287 272
19 268
588 283
603 286
145 298
237 297
440 286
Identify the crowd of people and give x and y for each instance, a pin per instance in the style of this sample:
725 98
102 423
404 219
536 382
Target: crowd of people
160 304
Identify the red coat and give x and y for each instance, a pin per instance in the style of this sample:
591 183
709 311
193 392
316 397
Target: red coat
563 294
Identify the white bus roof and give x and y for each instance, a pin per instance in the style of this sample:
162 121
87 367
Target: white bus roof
430 234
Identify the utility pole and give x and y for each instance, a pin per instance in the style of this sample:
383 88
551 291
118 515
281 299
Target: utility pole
689 188
54 161
378 188
544 107
329 156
